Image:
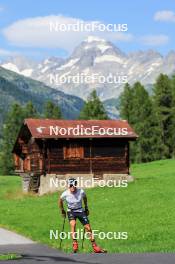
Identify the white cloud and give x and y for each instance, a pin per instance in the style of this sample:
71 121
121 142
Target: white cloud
4 53
154 40
165 15
36 32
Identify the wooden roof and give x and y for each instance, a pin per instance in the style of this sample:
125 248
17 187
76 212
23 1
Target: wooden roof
40 128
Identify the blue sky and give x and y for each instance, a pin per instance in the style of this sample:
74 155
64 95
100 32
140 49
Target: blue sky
151 25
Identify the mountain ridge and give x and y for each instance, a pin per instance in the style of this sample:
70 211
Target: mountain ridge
20 89
95 56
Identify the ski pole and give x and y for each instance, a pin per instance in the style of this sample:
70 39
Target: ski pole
62 232
82 245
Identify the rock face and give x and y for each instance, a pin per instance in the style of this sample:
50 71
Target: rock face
96 57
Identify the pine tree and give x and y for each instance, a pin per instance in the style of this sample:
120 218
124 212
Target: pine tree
126 103
93 108
30 111
51 110
136 106
163 102
173 115
141 114
12 124
11 128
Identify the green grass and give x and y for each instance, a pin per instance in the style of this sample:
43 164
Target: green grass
145 210
9 256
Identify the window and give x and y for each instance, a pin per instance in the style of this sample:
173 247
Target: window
73 151
108 151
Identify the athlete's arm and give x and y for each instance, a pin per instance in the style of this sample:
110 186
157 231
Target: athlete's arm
61 206
86 204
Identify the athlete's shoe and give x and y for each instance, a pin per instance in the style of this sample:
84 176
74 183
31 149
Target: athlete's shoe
75 246
97 249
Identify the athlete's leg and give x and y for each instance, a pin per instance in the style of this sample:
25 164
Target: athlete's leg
73 233
72 221
73 228
96 248
88 230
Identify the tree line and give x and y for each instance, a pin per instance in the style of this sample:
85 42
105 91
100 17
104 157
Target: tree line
151 115
12 124
93 109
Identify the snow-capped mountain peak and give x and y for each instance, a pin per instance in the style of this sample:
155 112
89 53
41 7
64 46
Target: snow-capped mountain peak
13 67
90 39
96 57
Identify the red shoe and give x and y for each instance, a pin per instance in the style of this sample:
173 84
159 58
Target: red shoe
75 246
97 249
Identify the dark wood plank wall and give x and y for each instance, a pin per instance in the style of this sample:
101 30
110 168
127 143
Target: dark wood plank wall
99 156
107 156
36 156
31 158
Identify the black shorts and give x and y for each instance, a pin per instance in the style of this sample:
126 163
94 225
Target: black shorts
82 217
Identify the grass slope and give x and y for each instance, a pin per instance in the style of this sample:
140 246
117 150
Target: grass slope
9 256
145 209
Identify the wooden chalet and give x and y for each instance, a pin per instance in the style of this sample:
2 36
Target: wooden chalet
38 152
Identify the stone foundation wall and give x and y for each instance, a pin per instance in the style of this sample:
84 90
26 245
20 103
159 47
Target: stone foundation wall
25 182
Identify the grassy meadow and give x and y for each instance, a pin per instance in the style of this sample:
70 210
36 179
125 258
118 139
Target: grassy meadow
145 210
